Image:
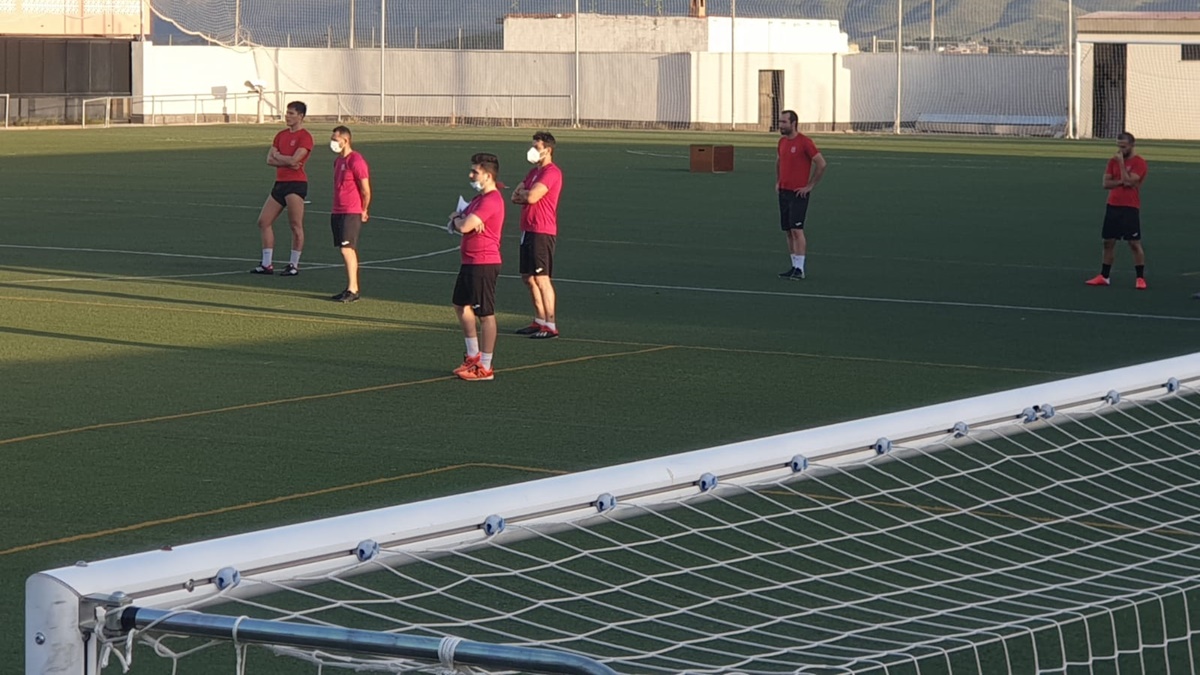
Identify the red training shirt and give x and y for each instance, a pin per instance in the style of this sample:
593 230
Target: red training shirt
483 248
1126 196
795 161
542 217
347 172
287 142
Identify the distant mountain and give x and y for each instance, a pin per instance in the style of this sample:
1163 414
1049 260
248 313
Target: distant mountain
443 23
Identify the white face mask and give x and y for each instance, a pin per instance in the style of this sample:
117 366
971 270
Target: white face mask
476 186
336 146
533 155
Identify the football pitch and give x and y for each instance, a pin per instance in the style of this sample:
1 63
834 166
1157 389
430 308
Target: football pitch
155 393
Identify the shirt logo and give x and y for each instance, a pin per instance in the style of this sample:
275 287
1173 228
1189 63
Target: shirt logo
793 150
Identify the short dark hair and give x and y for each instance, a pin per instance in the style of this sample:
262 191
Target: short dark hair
488 162
343 131
546 138
791 115
1127 137
299 107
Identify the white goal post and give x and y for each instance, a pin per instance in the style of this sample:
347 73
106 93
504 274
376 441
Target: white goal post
64 606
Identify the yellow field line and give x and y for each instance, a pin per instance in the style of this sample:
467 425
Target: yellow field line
307 397
360 322
265 502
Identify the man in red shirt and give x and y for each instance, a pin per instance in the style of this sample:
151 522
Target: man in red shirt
538 197
799 166
1123 179
475 289
351 200
288 153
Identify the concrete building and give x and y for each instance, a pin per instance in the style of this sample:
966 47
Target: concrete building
1138 72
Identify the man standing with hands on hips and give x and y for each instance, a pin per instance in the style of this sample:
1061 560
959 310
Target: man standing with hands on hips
799 166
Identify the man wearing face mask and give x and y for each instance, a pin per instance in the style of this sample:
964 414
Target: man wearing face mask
538 197
799 166
1123 179
351 200
475 289
289 151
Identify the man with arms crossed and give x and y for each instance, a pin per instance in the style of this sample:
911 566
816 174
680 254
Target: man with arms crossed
288 153
475 289
351 199
1123 179
795 179
538 197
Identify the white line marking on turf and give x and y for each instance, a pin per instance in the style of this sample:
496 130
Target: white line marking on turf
831 296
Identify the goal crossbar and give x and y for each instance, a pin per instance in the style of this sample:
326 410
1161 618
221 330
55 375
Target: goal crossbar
57 600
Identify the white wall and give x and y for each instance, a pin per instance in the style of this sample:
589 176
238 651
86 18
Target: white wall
969 84
672 34
809 85
1162 93
777 36
626 87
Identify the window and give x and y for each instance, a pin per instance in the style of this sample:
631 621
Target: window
1189 52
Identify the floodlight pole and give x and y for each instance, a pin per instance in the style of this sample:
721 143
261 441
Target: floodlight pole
899 58
351 24
1071 75
732 57
932 22
575 107
382 58
237 22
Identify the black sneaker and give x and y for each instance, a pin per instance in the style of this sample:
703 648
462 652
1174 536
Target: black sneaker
347 296
544 334
798 274
269 269
788 274
290 271
529 330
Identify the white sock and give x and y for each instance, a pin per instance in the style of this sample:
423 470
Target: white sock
799 262
540 322
551 326
472 347
485 360
295 258
266 259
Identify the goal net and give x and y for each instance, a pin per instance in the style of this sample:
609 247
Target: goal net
1053 528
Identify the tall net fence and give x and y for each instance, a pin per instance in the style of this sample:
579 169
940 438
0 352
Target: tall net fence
967 66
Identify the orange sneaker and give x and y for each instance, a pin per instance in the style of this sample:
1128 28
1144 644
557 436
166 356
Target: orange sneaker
1140 284
1098 280
468 361
477 373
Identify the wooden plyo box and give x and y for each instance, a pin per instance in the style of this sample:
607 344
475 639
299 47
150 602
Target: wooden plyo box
711 158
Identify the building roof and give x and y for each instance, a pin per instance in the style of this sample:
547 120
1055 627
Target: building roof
1158 23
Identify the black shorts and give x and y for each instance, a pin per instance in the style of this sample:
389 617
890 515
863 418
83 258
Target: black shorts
345 227
792 210
1122 222
294 187
537 254
476 288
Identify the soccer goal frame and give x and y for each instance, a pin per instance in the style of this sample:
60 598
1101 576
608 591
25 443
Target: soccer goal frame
65 606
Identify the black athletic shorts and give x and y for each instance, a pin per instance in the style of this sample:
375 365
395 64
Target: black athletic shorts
476 288
792 210
292 187
537 254
346 227
1122 222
